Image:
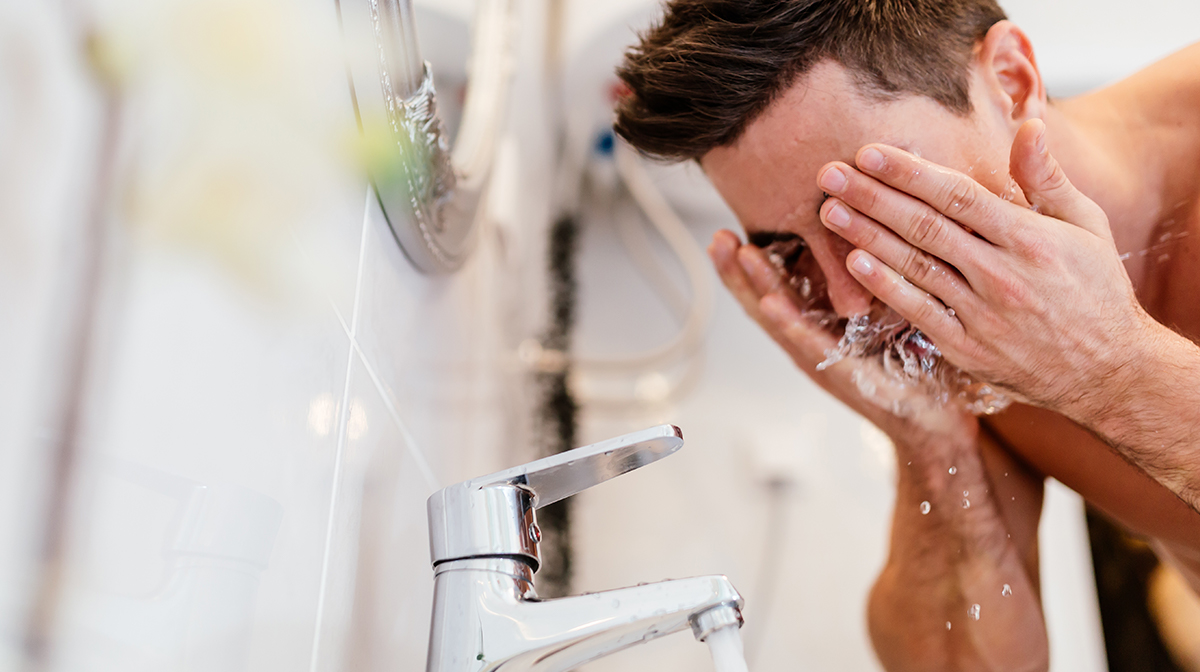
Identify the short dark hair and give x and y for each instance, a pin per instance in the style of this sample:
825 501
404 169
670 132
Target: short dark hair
710 67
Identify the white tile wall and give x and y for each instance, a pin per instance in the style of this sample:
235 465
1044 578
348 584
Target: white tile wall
256 458
259 442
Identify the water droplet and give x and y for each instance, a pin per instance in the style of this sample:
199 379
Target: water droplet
1006 474
947 625
966 494
950 312
1006 591
925 507
616 604
953 470
966 503
973 612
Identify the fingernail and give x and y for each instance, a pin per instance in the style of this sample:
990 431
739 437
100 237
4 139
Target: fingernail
838 216
833 181
870 159
862 264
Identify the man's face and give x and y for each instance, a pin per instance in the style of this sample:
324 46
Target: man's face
769 176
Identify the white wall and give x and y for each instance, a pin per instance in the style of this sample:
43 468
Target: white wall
273 390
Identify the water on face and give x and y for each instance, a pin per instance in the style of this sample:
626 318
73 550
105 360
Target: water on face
906 357
725 645
908 360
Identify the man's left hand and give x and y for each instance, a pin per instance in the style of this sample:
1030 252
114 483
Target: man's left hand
1034 299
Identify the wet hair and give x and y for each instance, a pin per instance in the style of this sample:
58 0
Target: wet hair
708 68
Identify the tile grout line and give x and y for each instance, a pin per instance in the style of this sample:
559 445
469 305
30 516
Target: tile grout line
343 418
393 409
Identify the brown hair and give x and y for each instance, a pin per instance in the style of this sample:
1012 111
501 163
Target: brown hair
710 67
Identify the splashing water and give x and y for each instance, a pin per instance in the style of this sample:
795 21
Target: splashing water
725 645
952 470
973 612
1165 241
911 364
925 508
1006 591
966 504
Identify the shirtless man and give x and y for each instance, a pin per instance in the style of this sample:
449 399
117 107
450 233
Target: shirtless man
781 104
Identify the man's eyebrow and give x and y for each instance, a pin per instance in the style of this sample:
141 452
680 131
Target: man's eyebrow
765 238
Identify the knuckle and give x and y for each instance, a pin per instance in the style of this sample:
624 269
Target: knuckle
868 198
866 236
925 312
1056 180
918 266
956 197
1033 245
1011 294
927 228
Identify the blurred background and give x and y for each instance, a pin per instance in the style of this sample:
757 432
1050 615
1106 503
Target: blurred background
226 391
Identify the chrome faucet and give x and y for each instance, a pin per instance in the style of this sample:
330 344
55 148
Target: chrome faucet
483 539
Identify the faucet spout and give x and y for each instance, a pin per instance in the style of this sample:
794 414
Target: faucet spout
492 619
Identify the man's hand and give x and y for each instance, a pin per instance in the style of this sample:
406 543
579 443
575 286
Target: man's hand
1034 299
771 302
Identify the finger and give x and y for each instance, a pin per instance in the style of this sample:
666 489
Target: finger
947 191
917 266
1046 186
911 219
929 314
764 277
806 342
724 252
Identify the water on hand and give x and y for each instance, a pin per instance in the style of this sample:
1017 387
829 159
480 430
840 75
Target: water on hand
725 645
910 363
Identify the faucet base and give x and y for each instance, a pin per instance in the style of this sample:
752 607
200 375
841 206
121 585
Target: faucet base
487 616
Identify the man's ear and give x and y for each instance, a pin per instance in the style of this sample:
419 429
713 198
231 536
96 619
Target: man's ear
1010 76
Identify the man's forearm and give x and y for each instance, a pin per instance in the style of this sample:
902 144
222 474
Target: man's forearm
959 591
1149 411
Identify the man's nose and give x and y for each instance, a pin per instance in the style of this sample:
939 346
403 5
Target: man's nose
849 298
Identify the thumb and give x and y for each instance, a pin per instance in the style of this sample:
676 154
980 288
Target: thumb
1046 186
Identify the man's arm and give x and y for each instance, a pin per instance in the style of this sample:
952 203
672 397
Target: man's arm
960 589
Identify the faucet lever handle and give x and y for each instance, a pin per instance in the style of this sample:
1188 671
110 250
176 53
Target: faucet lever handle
557 477
492 516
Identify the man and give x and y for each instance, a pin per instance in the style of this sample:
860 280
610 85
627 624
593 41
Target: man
800 113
